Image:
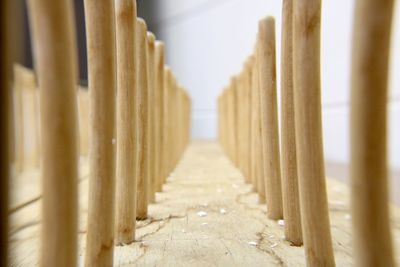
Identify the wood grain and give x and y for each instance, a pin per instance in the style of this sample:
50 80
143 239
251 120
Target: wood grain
290 188
144 123
269 117
152 115
160 114
100 29
53 38
127 121
176 236
310 156
370 69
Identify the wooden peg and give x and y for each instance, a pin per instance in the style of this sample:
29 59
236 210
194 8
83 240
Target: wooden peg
369 94
143 179
5 138
167 85
100 29
160 113
53 38
259 158
290 189
152 114
127 121
269 117
308 124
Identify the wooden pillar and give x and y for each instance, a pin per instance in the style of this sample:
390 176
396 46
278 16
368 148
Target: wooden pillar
290 189
160 113
100 29
143 179
152 115
310 156
127 121
56 60
269 117
370 196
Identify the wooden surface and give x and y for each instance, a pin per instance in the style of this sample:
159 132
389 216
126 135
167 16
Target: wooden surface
308 125
290 189
369 163
127 120
175 234
269 117
55 59
100 28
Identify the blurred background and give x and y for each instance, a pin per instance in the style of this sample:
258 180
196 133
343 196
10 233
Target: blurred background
207 42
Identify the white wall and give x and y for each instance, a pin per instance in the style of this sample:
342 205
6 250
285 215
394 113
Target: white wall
208 40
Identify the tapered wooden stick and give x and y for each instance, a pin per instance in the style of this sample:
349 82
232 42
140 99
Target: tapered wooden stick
160 114
127 122
56 61
100 28
290 189
143 178
152 114
269 117
370 197
310 157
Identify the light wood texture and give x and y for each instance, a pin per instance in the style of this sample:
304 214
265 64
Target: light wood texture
144 122
166 144
27 144
160 114
100 29
290 189
83 117
370 200
152 114
176 235
310 156
127 121
53 39
269 117
260 176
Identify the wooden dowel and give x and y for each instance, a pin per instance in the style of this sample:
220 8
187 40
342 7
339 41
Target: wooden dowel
253 128
269 117
143 178
152 114
56 61
167 84
259 158
4 135
100 29
370 196
127 122
290 189
308 124
160 113
236 120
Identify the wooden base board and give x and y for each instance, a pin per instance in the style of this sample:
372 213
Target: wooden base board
205 216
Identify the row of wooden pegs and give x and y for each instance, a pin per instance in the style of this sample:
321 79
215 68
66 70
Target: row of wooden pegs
287 170
132 121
